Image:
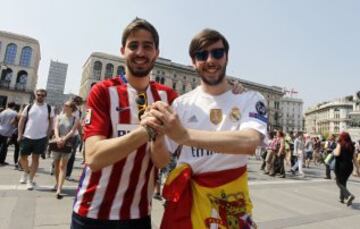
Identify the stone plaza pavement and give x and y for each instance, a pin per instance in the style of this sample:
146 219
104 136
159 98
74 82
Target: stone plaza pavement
295 203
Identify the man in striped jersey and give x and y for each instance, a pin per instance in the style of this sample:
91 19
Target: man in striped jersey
117 183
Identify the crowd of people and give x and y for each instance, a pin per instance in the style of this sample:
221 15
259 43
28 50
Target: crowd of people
293 152
134 127
37 130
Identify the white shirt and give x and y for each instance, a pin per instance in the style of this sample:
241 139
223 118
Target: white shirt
37 124
239 112
6 126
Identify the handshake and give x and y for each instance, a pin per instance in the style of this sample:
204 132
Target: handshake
159 119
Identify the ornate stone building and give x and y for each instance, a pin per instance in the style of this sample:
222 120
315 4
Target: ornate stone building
183 78
329 117
19 63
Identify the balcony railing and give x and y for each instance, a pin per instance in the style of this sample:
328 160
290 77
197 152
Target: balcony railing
4 84
20 86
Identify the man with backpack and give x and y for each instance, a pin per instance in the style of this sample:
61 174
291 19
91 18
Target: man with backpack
34 127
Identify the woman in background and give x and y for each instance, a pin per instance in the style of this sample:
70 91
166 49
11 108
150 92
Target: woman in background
344 160
65 125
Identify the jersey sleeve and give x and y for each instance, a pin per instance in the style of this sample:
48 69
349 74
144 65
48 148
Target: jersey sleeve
97 120
255 115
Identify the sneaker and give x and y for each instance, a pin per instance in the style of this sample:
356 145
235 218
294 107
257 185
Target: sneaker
24 178
29 185
350 200
4 163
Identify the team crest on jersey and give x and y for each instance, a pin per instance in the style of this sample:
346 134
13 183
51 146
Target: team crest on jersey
216 116
88 117
235 114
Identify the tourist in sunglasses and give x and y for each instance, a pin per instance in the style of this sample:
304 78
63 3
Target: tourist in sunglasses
213 130
33 130
116 187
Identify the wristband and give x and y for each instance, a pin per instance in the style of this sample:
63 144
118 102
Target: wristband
151 133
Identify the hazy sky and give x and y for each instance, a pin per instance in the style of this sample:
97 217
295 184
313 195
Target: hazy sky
312 46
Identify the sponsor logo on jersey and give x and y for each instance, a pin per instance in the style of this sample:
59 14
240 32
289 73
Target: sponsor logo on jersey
216 116
192 119
123 129
235 114
199 152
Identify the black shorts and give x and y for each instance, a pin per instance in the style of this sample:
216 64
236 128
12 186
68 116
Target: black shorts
79 222
35 146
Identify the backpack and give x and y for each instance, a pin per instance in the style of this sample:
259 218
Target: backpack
28 110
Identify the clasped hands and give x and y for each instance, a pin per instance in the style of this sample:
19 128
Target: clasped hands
163 119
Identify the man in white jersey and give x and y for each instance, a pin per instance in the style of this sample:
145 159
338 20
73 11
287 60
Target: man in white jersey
117 184
34 127
216 131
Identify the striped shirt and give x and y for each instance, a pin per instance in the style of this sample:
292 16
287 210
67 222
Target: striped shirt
122 190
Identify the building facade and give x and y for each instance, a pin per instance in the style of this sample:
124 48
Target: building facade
182 78
56 83
291 118
19 63
329 117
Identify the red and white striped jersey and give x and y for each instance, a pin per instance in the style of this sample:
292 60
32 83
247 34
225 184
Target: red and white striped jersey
123 190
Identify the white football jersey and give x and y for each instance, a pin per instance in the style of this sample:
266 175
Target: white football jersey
225 112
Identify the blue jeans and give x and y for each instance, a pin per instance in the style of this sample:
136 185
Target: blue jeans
79 222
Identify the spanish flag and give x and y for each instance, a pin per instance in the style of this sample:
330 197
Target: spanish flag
209 200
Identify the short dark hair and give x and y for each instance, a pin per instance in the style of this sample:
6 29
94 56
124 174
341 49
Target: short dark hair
139 23
41 90
205 38
11 105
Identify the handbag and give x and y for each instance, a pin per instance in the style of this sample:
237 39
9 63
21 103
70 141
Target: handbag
67 148
329 158
53 146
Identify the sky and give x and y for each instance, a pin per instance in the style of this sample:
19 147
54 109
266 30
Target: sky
311 46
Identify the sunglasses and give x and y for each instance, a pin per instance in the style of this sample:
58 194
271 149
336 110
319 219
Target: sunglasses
215 53
141 102
40 95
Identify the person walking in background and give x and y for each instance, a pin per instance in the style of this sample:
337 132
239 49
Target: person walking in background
7 127
330 145
64 129
308 151
77 101
299 146
344 160
34 127
271 151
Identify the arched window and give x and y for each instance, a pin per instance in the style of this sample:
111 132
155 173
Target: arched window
21 80
162 80
97 70
157 79
174 85
6 75
25 58
109 71
120 70
10 54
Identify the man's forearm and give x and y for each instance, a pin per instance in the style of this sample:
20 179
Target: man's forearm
231 142
159 153
101 152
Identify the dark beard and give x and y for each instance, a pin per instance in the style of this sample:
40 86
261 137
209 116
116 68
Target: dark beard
140 73
216 82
